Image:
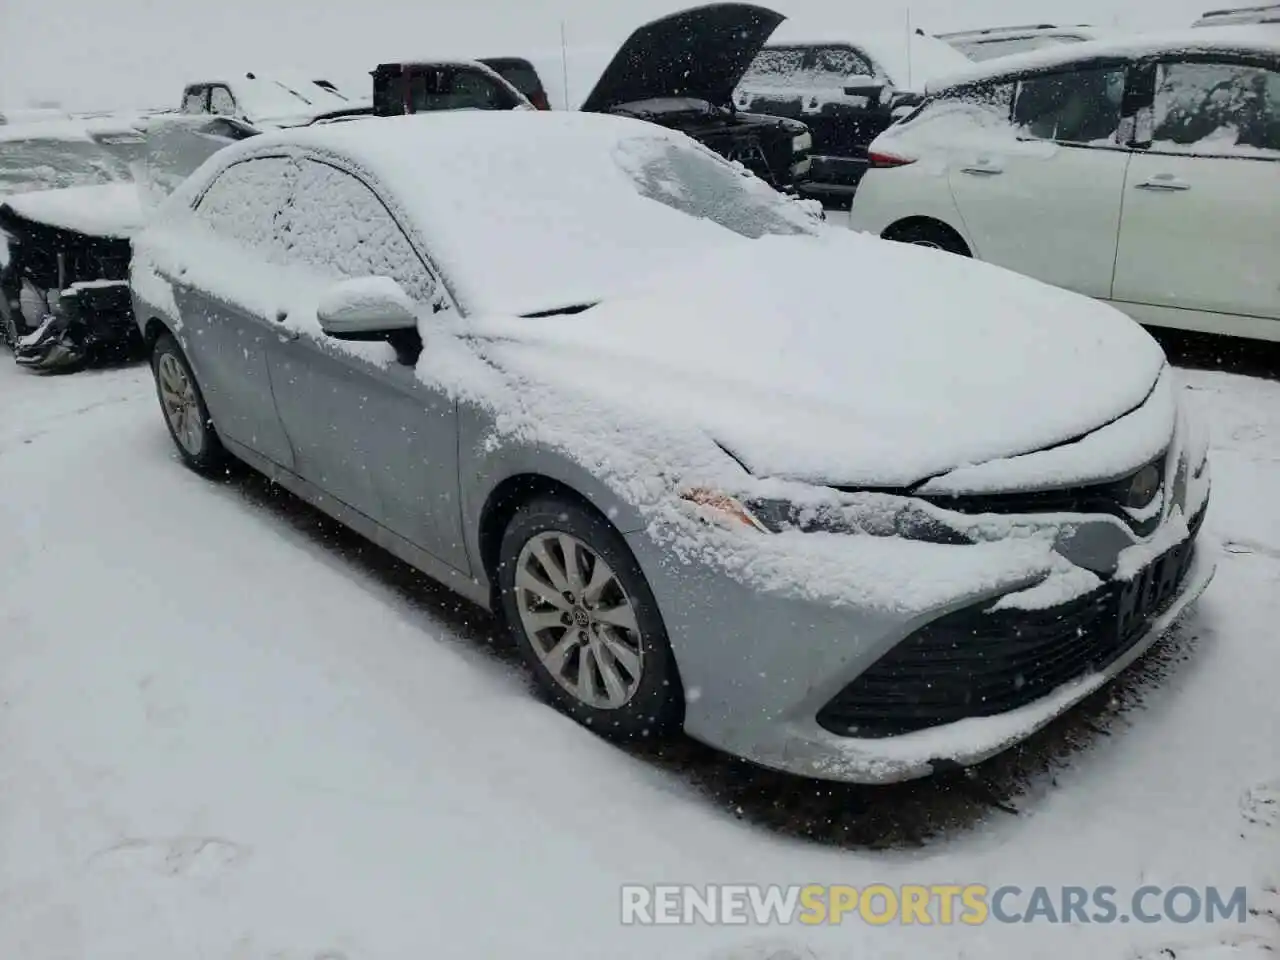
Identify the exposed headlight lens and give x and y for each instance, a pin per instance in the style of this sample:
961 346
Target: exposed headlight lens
802 142
728 507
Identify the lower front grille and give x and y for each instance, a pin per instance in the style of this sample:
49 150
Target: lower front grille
979 663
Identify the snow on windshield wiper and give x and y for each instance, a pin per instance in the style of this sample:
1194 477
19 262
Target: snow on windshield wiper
559 311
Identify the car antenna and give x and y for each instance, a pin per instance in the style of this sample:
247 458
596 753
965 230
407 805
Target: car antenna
909 39
564 64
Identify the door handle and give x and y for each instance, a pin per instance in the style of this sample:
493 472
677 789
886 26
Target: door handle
285 333
1164 182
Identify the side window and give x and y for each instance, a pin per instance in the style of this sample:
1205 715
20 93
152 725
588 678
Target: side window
1219 109
1083 106
194 100
221 102
337 225
246 204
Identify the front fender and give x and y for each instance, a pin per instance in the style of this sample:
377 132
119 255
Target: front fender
486 460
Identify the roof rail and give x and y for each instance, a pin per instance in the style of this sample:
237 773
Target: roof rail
988 30
1265 8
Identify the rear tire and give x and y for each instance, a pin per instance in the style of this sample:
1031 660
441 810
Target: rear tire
927 234
183 408
584 618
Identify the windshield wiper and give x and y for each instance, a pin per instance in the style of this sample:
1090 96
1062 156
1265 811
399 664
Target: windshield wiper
559 311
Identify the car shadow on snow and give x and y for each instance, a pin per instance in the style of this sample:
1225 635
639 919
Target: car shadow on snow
1207 351
888 817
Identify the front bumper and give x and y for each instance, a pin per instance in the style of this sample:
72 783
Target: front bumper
758 670
769 634
809 750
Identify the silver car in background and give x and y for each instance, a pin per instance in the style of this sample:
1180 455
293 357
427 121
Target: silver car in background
559 363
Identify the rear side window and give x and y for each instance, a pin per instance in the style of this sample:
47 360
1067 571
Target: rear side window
337 225
1079 107
811 67
246 204
980 105
1216 109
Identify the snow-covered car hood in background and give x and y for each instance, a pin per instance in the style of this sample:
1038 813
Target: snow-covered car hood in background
107 210
702 52
938 362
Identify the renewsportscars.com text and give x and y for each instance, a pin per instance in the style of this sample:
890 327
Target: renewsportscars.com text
927 904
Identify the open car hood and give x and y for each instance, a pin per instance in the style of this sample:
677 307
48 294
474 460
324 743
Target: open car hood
701 52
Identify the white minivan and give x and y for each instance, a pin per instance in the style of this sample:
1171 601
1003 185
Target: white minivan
1144 173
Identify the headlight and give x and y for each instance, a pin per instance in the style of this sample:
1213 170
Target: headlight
729 508
802 142
882 517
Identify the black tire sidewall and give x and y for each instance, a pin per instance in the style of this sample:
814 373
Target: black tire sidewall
936 238
657 707
211 455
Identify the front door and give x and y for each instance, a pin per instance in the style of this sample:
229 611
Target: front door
1045 200
1201 225
365 429
227 331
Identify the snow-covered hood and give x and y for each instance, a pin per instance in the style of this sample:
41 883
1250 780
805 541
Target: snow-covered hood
846 360
106 210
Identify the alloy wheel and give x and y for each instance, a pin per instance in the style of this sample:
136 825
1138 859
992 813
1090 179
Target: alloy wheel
181 405
579 620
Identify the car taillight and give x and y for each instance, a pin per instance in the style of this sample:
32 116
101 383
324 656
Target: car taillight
539 100
882 160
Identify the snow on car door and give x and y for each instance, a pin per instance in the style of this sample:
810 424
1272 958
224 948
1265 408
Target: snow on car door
1043 197
369 434
226 339
1201 228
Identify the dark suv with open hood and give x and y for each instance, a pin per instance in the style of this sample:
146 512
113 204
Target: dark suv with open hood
680 72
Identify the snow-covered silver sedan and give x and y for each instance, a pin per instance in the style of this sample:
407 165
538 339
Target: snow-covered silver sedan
843 507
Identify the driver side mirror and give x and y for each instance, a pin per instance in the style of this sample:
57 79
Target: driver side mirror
366 308
372 308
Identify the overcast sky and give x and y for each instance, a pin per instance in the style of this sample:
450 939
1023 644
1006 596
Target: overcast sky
120 53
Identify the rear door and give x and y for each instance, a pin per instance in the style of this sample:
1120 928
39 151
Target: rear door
1201 225
227 331
1043 197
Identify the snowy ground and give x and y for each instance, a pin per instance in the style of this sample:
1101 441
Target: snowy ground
228 730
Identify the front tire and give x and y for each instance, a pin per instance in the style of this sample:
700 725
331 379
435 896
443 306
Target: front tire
585 620
182 405
926 234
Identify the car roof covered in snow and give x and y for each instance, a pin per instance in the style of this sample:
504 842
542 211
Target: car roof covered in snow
1238 39
910 60
521 210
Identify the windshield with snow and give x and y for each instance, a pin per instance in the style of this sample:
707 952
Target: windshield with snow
49 164
703 185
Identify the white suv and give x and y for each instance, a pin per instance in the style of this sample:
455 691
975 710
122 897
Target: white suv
1145 173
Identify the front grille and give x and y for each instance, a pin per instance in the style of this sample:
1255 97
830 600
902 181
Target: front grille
1102 498
979 663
